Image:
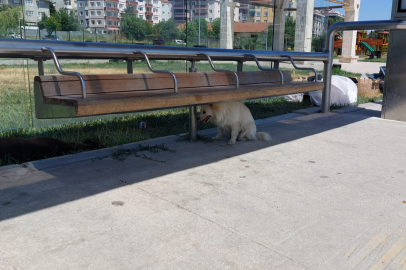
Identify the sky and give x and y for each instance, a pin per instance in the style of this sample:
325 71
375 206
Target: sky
373 10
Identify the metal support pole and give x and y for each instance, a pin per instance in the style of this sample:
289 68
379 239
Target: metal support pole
192 123
41 71
239 65
192 113
130 69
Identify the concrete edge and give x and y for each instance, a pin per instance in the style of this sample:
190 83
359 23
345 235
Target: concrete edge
101 153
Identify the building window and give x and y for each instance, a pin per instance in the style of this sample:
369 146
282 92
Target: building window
265 20
266 13
108 13
92 13
92 4
98 4
81 21
155 10
93 22
141 16
141 8
210 11
81 13
99 22
108 4
99 13
80 4
41 4
28 2
155 1
41 14
121 5
258 14
211 3
30 13
210 19
67 3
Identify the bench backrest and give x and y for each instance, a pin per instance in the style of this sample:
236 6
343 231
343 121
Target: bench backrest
61 85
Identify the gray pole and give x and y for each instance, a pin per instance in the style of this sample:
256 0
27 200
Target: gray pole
199 22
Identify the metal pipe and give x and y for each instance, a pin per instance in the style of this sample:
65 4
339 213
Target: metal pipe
237 84
69 73
296 67
175 81
130 68
22 48
329 48
266 69
192 123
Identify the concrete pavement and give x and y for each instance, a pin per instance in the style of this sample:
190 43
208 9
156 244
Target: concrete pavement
327 193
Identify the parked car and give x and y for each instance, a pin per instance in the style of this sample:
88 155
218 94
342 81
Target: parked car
15 35
180 42
51 37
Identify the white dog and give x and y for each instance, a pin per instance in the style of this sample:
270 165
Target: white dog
233 119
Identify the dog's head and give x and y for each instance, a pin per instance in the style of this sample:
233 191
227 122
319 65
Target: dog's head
206 113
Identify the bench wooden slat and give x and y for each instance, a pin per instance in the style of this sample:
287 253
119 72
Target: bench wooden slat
60 96
69 85
144 101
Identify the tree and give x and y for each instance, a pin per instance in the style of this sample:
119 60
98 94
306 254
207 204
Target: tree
9 19
166 30
318 43
270 35
133 27
50 24
290 28
67 20
214 32
52 9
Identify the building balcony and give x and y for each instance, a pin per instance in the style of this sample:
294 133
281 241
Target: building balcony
111 18
113 27
148 5
202 6
115 1
151 22
147 13
111 9
131 3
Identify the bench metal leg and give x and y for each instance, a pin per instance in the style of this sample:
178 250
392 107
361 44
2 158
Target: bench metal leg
130 69
239 65
41 71
192 123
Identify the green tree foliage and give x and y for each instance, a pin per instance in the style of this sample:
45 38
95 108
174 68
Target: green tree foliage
133 27
67 20
214 32
318 43
290 28
9 18
52 9
50 24
270 35
166 30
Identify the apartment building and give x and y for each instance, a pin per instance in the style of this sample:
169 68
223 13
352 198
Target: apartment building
70 5
104 15
33 9
166 10
320 23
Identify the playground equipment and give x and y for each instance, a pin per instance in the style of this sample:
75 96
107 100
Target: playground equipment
376 46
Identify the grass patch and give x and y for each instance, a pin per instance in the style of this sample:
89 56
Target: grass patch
378 60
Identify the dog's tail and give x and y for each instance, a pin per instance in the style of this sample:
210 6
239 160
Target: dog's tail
263 136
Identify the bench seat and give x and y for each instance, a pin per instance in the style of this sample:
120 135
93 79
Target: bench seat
60 96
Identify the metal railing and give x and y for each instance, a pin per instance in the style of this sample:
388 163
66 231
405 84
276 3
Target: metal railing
329 49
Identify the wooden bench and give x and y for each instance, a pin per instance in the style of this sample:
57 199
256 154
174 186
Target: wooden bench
60 96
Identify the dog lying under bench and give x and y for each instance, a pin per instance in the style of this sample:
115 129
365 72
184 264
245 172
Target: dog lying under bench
234 119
